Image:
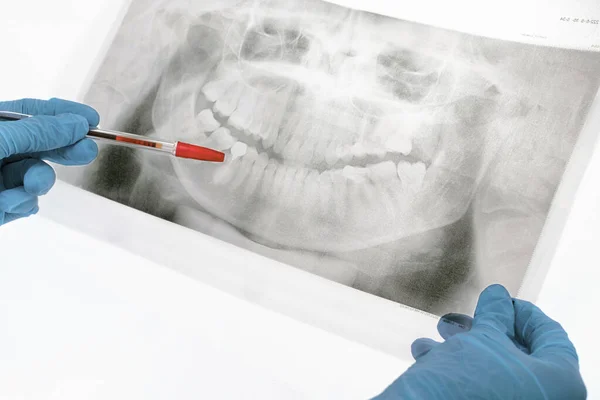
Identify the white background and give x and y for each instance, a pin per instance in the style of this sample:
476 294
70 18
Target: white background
82 319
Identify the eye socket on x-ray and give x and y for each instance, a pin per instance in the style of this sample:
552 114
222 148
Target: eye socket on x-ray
269 42
409 75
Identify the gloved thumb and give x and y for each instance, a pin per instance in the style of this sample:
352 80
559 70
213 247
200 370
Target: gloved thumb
495 311
422 346
453 323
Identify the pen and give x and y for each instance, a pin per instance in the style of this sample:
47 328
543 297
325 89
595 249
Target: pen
176 149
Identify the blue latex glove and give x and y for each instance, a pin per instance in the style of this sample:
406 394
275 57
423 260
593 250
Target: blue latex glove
56 134
510 350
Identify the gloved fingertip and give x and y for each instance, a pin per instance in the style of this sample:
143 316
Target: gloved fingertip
421 347
82 152
496 290
87 151
495 310
39 179
453 323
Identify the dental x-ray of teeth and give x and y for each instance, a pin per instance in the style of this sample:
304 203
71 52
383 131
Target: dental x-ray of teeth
410 162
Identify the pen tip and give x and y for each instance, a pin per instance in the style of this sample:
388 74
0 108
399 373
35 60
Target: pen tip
191 151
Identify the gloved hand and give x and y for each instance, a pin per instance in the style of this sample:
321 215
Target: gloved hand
56 134
512 351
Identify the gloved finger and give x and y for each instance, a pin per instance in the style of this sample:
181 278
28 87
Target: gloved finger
545 337
12 217
81 153
17 201
495 310
451 324
34 175
51 107
422 346
41 133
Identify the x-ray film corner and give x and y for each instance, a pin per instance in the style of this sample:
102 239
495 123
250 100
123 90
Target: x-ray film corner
339 270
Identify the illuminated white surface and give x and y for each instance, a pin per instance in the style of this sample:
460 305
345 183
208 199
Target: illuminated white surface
118 326
82 319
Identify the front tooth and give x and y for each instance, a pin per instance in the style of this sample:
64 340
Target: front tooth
240 149
228 103
221 139
399 144
411 175
214 90
356 174
242 116
383 171
207 121
226 172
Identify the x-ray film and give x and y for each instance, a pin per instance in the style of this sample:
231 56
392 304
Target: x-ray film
403 160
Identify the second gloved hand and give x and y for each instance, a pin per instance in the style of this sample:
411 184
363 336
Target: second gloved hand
510 350
57 134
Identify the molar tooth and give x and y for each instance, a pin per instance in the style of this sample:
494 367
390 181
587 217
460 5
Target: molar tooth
258 117
278 181
305 153
242 116
331 156
247 160
268 178
345 153
290 152
325 190
356 174
207 121
297 189
228 103
320 150
311 188
340 195
383 171
288 185
255 177
221 139
411 175
375 150
358 151
399 144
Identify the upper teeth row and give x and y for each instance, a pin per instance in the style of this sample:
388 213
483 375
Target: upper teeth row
261 117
